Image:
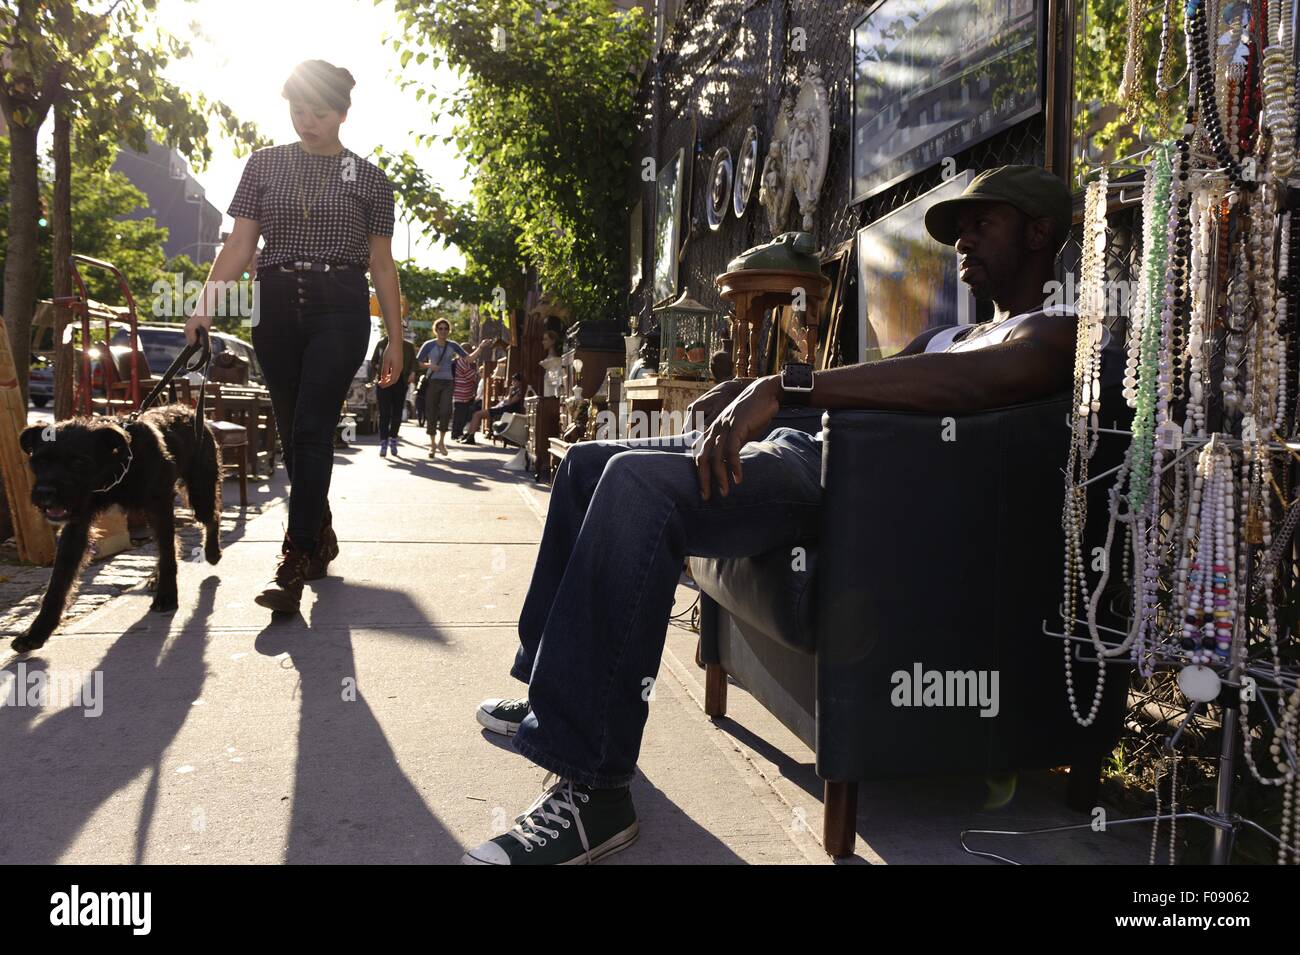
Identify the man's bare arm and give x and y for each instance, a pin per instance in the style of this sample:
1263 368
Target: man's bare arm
1035 362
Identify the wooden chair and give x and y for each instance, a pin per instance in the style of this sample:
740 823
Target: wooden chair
230 435
234 437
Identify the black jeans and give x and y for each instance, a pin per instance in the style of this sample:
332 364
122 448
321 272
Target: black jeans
391 400
310 332
460 412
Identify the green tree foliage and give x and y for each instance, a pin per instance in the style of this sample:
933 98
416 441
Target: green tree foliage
104 62
544 117
1100 122
101 199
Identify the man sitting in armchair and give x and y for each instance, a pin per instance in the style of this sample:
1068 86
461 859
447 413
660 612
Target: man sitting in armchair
625 514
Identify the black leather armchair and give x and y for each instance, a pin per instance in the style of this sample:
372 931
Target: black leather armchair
941 545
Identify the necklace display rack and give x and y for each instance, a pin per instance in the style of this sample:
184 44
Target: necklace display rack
1214 338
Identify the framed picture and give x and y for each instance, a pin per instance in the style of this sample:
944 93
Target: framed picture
933 77
836 267
636 244
908 282
668 231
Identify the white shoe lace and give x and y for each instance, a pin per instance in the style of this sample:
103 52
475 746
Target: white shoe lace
529 825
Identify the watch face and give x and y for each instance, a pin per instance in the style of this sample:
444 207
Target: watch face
796 375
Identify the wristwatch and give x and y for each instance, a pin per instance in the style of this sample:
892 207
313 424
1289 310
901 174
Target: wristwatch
796 383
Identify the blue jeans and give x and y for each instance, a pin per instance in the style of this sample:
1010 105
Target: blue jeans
310 337
623 517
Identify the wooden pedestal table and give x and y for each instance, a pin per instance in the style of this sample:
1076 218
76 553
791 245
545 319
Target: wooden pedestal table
664 401
753 291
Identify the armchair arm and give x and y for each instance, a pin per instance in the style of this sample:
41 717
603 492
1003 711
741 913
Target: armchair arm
940 546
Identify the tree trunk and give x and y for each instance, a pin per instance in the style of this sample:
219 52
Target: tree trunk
62 249
21 259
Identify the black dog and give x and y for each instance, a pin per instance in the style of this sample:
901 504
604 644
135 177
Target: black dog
85 465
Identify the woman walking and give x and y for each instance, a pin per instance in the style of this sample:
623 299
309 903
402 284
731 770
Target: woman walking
435 358
392 399
326 215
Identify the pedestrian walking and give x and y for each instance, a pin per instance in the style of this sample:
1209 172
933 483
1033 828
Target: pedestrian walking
392 399
436 357
326 215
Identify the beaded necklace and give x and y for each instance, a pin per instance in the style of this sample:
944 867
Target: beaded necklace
1091 315
1207 586
1155 259
1130 84
1206 99
1277 83
1163 85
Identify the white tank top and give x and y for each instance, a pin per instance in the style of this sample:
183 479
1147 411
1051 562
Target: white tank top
973 337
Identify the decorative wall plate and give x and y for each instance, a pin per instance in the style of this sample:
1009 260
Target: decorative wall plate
746 172
719 187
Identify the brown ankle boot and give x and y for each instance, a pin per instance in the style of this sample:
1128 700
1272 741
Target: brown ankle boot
284 592
327 548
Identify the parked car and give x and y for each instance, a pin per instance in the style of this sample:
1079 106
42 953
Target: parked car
162 343
40 387
40 384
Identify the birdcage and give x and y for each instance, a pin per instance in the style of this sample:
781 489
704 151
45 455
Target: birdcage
688 336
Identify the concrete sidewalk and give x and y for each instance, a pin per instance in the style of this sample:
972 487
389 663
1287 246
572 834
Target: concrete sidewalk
348 735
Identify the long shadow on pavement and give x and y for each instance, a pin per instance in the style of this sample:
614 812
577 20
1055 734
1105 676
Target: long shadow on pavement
58 772
352 803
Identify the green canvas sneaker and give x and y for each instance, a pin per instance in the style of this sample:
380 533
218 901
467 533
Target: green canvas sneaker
569 824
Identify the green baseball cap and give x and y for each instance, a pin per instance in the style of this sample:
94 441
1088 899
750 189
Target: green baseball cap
1031 189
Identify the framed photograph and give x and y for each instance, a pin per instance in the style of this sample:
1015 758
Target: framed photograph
933 77
668 231
636 244
907 282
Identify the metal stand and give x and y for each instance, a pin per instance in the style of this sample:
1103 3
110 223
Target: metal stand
1225 822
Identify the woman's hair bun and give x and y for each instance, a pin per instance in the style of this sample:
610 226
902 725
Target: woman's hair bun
319 82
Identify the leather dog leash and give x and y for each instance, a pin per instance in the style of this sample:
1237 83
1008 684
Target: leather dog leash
201 344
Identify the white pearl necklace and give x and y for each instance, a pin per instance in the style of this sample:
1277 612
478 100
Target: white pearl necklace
1087 405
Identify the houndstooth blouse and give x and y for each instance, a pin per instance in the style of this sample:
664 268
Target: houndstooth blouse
314 208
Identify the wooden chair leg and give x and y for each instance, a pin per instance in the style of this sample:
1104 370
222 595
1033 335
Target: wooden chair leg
840 816
243 475
715 690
